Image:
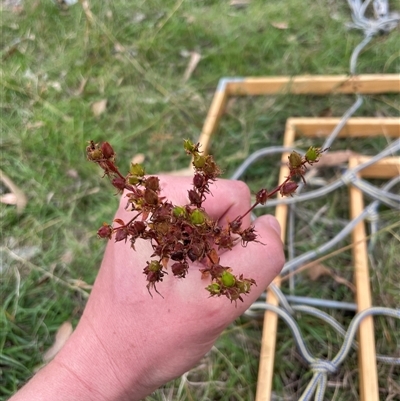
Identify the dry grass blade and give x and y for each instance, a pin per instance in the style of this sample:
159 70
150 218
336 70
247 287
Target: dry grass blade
280 25
194 60
86 8
32 266
98 108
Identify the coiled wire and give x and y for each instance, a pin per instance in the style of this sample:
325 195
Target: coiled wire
384 22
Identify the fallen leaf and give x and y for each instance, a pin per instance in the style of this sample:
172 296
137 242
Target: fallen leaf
239 3
138 158
98 108
318 270
81 87
118 48
20 198
138 17
36 124
280 25
67 257
194 60
230 104
72 173
189 18
326 112
62 335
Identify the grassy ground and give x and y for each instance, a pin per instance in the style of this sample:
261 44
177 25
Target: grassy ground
58 62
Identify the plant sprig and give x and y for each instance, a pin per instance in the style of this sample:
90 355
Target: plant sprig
180 234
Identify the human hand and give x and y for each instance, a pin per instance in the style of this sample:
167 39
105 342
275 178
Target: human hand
127 343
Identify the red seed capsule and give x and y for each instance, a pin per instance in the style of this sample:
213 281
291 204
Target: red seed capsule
262 196
108 151
105 231
288 189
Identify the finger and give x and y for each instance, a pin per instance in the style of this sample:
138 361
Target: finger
259 261
227 200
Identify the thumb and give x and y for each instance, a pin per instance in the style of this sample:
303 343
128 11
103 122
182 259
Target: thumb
262 260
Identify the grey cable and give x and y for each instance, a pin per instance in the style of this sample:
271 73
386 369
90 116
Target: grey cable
321 367
305 257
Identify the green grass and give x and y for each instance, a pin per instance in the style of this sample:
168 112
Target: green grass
46 120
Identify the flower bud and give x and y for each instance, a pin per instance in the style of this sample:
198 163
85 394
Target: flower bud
228 279
197 217
180 269
196 252
214 289
137 228
179 211
312 154
154 266
244 286
95 154
137 169
152 183
235 225
108 151
134 179
262 196
198 180
151 197
188 146
248 235
216 270
295 160
195 198
288 188
211 169
199 161
105 231
118 183
121 234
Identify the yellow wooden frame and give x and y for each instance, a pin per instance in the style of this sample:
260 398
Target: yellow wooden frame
320 127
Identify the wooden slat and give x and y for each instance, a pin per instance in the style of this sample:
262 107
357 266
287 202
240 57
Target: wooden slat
268 341
355 127
369 390
315 84
388 167
217 108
